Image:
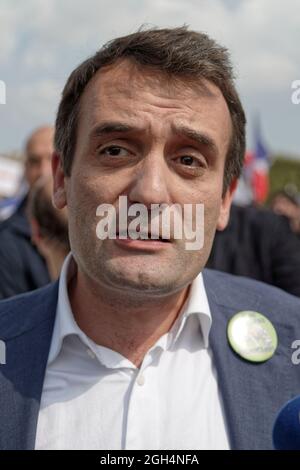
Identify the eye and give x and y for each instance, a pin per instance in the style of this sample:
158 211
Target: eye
114 151
188 160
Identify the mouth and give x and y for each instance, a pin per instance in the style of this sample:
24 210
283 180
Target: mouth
143 236
146 243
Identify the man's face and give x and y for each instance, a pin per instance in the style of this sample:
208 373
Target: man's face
39 151
143 136
283 206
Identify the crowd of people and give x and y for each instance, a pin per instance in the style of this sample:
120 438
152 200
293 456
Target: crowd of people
34 239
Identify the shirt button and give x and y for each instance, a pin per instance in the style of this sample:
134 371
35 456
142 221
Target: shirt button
90 353
141 379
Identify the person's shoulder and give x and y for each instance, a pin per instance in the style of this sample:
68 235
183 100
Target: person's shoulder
229 289
25 311
5 225
265 220
245 284
15 225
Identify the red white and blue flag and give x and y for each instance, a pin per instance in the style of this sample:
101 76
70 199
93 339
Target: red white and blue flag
256 167
260 167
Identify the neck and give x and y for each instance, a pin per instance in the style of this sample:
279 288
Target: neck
130 326
54 261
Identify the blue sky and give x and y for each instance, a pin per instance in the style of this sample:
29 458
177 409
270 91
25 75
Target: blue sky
41 41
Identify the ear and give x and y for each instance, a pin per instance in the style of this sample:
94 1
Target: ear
225 206
59 189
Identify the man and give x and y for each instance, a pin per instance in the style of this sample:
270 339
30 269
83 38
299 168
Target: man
129 350
261 245
287 203
49 226
21 266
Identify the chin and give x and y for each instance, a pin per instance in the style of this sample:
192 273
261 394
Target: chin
141 281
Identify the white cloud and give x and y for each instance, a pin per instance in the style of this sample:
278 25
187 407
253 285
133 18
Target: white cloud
40 97
42 39
30 104
258 32
8 28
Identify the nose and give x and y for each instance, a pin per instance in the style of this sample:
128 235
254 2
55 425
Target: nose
151 182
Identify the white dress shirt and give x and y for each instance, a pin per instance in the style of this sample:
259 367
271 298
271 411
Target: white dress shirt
95 398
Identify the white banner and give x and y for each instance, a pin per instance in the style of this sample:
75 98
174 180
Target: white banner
11 172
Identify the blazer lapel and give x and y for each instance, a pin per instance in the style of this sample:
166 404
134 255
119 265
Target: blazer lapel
252 393
22 376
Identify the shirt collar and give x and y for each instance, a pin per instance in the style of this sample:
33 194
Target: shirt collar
65 324
195 304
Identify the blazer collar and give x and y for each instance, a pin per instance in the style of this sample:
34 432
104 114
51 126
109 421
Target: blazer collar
27 349
252 393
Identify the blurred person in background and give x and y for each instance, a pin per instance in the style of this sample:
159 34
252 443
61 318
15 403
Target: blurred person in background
260 245
8 206
13 185
288 204
22 268
49 226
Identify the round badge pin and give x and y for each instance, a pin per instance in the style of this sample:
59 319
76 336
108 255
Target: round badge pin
252 336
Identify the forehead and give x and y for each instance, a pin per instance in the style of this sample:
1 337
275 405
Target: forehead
130 91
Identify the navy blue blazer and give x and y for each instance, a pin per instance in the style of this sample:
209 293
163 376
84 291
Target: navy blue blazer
22 268
252 393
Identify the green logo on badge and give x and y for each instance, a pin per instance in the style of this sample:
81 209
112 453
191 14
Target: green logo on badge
252 336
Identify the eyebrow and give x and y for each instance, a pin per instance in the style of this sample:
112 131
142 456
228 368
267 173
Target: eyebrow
110 128
199 137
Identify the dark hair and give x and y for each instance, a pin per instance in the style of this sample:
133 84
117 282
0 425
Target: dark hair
53 223
179 53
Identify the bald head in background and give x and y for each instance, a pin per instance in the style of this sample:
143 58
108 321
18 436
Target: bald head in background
38 153
22 268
